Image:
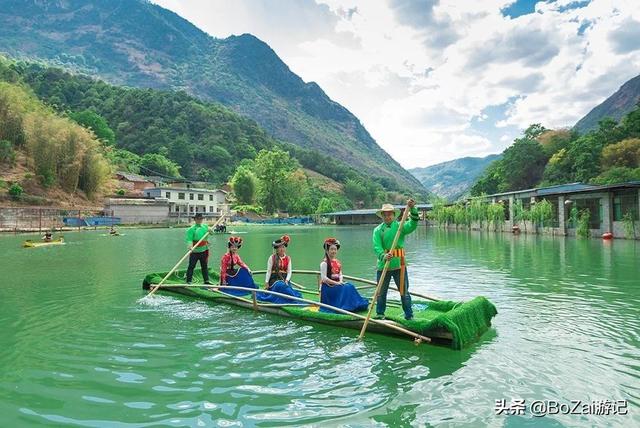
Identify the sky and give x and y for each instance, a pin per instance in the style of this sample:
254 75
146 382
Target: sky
435 80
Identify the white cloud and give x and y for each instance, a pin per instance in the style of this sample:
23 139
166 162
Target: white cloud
422 76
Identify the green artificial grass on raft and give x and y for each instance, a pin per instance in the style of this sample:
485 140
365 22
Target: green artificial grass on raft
466 321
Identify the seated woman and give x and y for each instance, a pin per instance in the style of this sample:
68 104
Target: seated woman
48 237
333 290
279 270
229 274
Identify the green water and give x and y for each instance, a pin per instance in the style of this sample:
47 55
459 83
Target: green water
78 347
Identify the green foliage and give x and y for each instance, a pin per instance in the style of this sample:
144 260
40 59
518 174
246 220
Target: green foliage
496 214
618 174
542 213
15 190
582 229
61 151
157 164
121 192
92 120
629 225
7 154
326 205
123 160
364 193
248 208
244 183
521 166
274 169
521 215
626 153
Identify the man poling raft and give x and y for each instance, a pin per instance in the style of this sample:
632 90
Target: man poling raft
383 236
199 249
333 290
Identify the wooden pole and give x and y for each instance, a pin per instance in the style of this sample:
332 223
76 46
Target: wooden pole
184 257
217 288
354 278
384 273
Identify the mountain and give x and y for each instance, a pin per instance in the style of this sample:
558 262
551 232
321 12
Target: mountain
453 179
617 105
137 43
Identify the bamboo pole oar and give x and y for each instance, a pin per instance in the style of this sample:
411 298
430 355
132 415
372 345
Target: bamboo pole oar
384 272
184 257
217 288
355 278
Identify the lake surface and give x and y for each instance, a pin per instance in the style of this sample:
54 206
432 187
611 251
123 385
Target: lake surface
79 347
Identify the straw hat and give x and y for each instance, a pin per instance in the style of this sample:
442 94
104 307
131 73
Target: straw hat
388 208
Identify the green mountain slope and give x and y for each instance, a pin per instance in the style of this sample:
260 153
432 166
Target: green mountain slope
453 179
207 140
136 43
617 105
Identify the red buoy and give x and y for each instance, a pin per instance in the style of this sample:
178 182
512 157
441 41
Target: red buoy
607 235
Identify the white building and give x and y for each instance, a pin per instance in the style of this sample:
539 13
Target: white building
138 210
186 201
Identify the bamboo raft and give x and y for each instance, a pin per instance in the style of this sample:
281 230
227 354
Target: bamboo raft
455 324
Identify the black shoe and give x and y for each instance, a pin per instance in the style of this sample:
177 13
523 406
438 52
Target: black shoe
188 282
208 282
408 318
379 317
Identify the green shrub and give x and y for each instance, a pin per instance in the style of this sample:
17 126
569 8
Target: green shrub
120 192
629 224
16 190
583 224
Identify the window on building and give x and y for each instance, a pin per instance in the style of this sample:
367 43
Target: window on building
148 194
190 209
200 197
168 195
180 195
191 196
211 197
210 209
625 202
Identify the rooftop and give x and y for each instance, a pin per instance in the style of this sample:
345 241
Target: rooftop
561 189
374 210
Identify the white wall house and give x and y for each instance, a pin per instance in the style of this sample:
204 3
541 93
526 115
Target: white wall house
188 201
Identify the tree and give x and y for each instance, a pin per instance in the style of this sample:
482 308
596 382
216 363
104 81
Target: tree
154 163
523 164
626 153
325 205
618 174
273 168
98 124
558 169
584 155
244 184
490 181
552 141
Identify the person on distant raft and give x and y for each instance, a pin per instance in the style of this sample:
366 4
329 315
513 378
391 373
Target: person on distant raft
333 290
383 236
199 253
48 237
279 270
113 231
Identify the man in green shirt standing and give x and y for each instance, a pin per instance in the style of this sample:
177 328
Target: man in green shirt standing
383 236
201 251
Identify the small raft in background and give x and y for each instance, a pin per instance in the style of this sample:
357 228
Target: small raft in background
456 324
35 244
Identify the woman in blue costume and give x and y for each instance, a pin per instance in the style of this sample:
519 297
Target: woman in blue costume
233 271
278 277
333 290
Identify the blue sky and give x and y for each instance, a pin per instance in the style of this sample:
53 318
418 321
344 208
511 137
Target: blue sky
433 80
